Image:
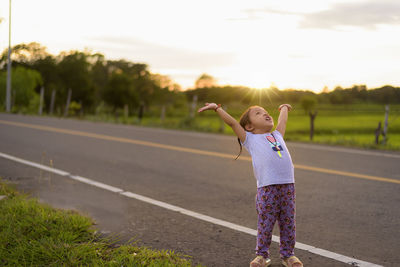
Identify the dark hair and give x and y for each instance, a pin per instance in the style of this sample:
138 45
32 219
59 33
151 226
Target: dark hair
243 121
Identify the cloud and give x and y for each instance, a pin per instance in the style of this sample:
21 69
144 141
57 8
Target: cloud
368 15
256 14
252 12
162 56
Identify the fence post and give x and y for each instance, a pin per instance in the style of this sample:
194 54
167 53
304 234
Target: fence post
41 100
193 107
385 127
53 98
378 133
162 116
312 118
141 111
68 101
126 111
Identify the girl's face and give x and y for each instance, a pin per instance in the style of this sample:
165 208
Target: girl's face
261 121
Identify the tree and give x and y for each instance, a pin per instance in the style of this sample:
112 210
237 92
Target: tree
35 56
74 71
119 92
205 80
24 54
165 89
24 82
308 103
140 78
99 75
51 79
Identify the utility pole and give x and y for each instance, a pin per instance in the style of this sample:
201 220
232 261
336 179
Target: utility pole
8 91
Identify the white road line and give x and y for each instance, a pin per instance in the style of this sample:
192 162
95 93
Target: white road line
33 164
233 226
94 183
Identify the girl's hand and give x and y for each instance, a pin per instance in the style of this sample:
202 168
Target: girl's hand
208 106
289 107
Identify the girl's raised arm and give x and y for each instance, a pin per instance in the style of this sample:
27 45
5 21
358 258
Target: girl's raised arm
283 116
228 119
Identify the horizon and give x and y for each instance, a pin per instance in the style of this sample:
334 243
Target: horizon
289 45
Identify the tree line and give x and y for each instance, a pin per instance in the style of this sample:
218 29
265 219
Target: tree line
357 94
124 85
92 78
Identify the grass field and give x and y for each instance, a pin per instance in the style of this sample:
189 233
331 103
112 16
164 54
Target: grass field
35 234
345 125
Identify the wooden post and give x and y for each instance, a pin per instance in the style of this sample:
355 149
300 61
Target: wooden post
312 118
193 107
378 133
385 127
162 116
41 100
141 111
126 114
53 98
126 111
68 101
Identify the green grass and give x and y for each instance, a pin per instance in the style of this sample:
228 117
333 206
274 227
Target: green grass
35 234
344 125
352 126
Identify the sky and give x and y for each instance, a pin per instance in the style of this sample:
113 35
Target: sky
305 45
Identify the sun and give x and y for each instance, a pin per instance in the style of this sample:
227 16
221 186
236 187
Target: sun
258 81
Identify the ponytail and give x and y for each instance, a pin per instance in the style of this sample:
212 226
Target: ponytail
240 152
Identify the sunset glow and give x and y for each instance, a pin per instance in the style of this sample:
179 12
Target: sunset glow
289 44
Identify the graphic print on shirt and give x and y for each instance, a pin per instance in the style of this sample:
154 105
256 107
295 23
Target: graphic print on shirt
275 145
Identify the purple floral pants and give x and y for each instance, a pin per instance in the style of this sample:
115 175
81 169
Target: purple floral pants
276 203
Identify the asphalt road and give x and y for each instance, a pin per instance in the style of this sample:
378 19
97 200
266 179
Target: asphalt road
349 205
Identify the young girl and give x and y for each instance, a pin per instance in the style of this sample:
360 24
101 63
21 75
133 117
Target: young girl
274 171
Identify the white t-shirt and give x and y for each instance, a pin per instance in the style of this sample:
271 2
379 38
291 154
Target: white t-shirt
272 163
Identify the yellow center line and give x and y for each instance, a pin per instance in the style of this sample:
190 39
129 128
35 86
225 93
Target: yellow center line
190 150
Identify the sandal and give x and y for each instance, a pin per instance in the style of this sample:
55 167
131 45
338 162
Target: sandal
260 261
289 262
